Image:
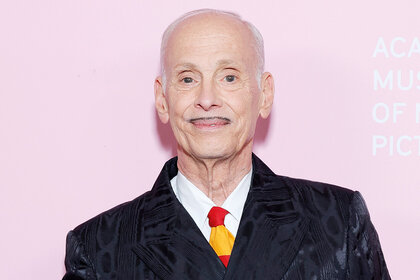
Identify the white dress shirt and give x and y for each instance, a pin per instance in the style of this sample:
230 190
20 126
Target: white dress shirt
198 204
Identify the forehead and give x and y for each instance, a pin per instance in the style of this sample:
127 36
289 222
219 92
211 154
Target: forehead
210 36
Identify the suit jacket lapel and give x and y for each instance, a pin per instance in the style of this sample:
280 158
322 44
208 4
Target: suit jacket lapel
269 236
171 244
271 229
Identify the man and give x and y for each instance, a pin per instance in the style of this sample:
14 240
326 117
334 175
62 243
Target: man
217 211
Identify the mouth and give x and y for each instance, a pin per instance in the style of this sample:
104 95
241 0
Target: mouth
210 122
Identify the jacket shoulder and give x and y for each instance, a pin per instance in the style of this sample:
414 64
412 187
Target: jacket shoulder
320 200
109 222
318 187
300 188
109 231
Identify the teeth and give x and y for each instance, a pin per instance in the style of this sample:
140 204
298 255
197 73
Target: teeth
212 125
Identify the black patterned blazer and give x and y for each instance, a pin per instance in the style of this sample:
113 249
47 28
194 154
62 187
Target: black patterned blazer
290 229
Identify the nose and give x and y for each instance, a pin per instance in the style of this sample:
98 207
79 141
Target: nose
208 97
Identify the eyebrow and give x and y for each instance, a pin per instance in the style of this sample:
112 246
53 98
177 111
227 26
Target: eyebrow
225 62
191 66
185 65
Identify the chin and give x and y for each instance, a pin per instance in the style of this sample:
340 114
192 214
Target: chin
211 146
211 152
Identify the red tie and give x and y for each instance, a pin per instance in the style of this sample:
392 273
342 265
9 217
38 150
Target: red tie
220 237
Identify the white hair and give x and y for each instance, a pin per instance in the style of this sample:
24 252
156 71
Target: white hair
258 46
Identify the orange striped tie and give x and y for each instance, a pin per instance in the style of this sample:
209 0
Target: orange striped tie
220 237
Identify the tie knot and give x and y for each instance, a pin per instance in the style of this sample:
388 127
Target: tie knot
217 216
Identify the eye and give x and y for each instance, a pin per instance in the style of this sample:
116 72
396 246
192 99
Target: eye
187 80
230 78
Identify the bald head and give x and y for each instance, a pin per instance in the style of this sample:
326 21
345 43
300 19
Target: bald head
212 89
216 21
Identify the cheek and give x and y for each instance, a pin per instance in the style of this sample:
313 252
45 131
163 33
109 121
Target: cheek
247 114
245 106
177 105
178 113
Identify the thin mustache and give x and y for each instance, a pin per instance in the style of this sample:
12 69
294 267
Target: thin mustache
209 118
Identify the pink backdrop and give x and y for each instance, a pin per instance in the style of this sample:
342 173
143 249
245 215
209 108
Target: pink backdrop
78 131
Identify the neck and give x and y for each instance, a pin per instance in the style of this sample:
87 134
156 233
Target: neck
216 177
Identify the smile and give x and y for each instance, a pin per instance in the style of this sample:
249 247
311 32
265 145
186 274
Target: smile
210 122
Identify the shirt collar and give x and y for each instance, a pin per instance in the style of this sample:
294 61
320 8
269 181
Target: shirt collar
235 202
199 204
194 200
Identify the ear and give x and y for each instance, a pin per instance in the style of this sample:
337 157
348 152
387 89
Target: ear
160 101
267 94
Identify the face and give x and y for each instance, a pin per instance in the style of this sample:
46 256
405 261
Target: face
212 97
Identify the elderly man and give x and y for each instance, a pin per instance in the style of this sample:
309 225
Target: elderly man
217 211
